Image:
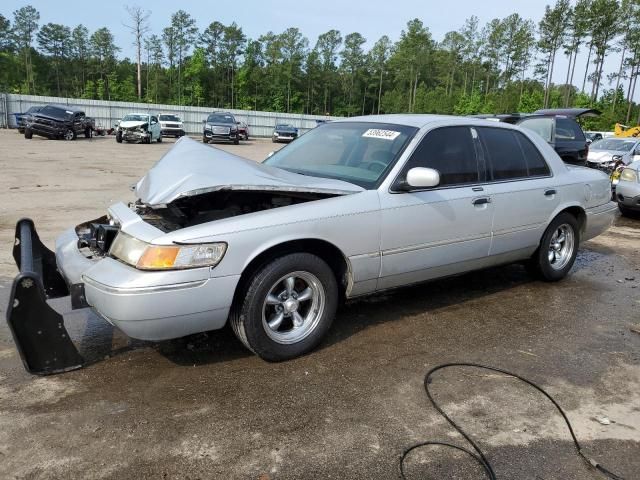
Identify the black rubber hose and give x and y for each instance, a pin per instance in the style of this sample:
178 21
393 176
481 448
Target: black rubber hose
477 453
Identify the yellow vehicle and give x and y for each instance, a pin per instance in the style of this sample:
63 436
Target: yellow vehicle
625 131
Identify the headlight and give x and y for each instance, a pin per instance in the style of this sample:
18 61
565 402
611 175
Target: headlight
629 175
166 257
616 158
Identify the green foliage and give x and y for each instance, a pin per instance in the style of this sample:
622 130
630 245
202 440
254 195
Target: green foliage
501 67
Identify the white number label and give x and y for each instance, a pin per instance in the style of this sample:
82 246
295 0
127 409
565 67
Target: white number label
384 134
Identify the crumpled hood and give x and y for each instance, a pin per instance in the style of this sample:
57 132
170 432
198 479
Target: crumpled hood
191 168
602 156
132 124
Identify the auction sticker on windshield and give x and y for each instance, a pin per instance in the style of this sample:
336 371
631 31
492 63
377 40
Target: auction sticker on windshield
378 133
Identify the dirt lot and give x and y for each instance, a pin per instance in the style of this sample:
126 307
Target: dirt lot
203 407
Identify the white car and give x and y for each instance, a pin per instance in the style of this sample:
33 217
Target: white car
139 127
171 125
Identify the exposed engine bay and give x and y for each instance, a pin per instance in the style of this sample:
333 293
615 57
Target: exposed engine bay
96 236
189 211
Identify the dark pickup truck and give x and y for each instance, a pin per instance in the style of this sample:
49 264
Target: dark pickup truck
59 121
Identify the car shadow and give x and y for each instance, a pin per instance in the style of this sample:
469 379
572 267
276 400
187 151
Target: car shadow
101 341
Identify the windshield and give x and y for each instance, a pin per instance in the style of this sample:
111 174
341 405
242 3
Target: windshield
616 144
169 118
134 117
55 112
356 152
284 125
220 118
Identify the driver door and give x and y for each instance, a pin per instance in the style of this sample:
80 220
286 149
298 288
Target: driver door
442 230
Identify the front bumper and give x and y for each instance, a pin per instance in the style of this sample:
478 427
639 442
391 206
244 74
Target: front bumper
228 137
147 305
283 138
49 131
134 135
172 132
628 194
599 219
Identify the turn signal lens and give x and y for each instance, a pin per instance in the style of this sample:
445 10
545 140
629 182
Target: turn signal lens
158 257
161 257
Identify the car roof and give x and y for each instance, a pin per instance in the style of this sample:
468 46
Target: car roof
423 120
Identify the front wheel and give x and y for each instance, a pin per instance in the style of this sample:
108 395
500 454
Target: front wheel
159 139
119 137
558 249
69 134
28 134
286 309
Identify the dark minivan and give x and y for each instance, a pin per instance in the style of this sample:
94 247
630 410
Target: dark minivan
59 121
558 126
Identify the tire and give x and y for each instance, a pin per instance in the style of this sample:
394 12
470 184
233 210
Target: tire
236 141
87 133
119 137
159 139
283 340
552 262
28 134
204 140
69 134
273 140
625 211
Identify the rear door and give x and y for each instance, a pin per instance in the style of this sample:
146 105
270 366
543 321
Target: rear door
442 230
523 189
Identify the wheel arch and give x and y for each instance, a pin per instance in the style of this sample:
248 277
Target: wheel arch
580 215
327 251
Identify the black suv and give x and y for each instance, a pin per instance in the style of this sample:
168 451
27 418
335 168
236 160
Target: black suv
220 126
59 121
558 127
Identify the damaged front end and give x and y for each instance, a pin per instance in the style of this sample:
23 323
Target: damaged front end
136 268
137 133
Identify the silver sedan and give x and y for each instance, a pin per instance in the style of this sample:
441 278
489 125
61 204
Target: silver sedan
350 208
628 189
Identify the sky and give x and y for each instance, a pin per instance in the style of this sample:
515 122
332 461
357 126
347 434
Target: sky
372 18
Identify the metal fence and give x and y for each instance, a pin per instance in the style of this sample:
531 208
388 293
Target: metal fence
106 113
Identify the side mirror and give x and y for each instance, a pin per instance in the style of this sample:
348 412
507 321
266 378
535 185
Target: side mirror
589 141
237 123
420 177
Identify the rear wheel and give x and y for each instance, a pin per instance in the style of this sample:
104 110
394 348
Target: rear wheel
558 249
236 141
28 134
286 309
69 134
88 132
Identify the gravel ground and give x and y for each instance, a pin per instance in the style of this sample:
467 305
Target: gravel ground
203 407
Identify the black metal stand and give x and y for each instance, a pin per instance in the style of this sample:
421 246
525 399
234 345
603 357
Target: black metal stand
38 330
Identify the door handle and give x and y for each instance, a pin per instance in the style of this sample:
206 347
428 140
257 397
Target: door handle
550 192
481 201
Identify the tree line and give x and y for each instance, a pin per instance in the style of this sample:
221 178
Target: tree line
506 65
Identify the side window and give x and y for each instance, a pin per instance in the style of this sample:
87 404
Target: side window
504 154
451 151
154 120
536 164
543 126
567 129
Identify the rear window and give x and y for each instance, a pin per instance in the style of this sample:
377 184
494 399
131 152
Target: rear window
567 129
511 154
